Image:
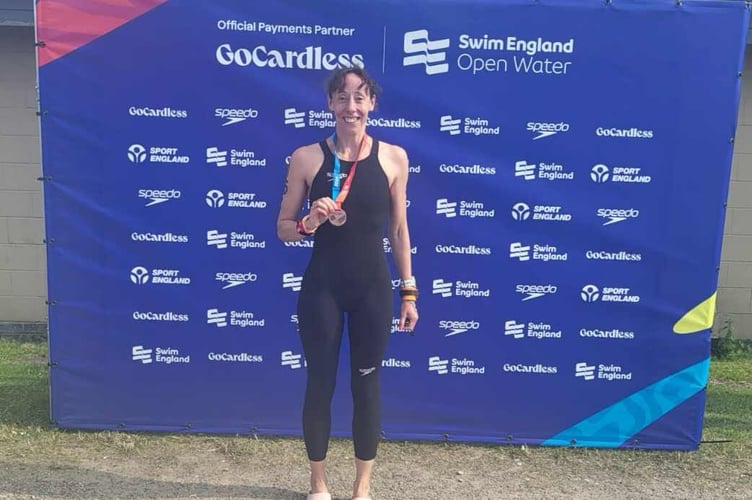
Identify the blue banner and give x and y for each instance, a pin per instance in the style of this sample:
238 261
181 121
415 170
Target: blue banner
569 165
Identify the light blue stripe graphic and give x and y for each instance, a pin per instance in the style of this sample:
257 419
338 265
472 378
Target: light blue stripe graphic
612 426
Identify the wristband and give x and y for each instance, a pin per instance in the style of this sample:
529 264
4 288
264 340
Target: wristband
300 226
409 282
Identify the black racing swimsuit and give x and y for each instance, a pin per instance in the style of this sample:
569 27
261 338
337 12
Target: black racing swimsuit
347 273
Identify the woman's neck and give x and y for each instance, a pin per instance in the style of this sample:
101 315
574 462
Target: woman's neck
348 144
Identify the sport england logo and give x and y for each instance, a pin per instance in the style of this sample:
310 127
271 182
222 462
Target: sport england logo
521 211
141 276
217 199
591 293
137 153
155 154
614 215
542 129
601 174
294 117
231 116
419 49
294 283
609 373
473 126
548 171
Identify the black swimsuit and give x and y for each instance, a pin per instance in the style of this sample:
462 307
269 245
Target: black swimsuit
347 273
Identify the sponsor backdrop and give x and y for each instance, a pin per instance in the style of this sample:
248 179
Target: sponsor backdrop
569 162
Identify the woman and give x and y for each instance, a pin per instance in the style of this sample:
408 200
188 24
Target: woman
355 183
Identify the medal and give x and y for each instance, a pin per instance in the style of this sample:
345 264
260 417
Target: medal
339 216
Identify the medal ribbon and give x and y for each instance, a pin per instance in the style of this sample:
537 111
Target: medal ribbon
337 195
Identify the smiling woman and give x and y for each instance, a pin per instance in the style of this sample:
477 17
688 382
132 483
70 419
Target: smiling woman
348 273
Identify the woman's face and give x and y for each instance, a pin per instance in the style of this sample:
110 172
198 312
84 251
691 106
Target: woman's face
352 103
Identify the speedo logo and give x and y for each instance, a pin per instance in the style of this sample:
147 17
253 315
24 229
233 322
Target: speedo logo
614 215
530 292
454 327
231 116
157 196
230 280
309 58
165 112
543 129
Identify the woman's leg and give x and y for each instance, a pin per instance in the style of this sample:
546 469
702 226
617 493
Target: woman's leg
368 327
320 321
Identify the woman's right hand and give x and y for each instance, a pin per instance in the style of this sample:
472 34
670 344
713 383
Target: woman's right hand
321 209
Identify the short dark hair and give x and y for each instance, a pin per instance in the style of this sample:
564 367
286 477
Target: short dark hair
336 81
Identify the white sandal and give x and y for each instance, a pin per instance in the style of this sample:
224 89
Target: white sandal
319 496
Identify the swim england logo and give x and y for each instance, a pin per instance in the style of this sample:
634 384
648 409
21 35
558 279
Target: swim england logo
419 49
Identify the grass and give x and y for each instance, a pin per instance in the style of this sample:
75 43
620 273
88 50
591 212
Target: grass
26 433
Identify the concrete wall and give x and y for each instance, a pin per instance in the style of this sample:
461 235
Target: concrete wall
22 263
22 252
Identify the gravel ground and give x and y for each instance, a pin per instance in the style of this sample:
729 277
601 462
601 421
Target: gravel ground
211 467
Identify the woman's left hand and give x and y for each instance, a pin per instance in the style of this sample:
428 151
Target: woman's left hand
408 315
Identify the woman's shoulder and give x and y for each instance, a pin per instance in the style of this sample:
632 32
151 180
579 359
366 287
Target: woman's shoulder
305 155
392 153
